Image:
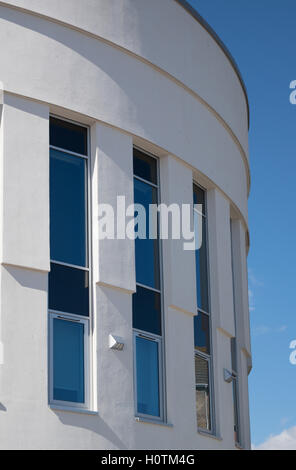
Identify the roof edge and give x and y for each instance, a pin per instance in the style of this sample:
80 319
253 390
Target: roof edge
193 12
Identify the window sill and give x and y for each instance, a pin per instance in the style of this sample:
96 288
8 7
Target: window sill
153 421
72 409
208 434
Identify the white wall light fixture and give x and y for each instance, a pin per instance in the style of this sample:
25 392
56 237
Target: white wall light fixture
116 343
228 376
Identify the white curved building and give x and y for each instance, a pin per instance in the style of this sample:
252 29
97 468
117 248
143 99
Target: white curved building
100 99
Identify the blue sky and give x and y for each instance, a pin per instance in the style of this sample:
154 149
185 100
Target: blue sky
261 36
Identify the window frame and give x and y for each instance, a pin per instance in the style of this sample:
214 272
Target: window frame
152 336
158 340
208 357
236 408
87 320
86 343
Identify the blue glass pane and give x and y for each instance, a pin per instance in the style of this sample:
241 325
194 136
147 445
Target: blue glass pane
68 208
147 377
202 333
201 265
68 361
199 197
147 250
68 136
68 290
147 311
145 167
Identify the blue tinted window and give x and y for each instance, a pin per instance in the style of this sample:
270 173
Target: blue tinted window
147 311
202 333
68 136
199 197
147 377
201 266
147 251
68 208
145 167
68 361
68 290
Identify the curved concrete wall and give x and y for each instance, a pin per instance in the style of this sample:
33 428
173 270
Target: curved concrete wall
59 65
138 72
164 34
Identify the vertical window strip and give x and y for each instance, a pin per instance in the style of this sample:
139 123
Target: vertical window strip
202 326
235 391
147 301
234 356
70 276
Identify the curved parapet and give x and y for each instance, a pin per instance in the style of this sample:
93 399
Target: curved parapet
130 50
130 76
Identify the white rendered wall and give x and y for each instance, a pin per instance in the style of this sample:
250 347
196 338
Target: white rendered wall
176 182
25 207
130 86
192 58
112 174
79 72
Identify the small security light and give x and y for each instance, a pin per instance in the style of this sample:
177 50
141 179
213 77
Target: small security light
228 377
116 343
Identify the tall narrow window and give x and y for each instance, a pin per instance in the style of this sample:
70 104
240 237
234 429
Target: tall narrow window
147 311
202 322
234 361
69 277
235 390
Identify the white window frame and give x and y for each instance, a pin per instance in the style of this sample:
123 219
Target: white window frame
207 358
87 320
157 339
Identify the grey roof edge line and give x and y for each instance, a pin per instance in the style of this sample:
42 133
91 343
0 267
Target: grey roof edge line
193 12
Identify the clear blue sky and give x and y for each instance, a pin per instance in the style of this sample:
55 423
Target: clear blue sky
261 35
